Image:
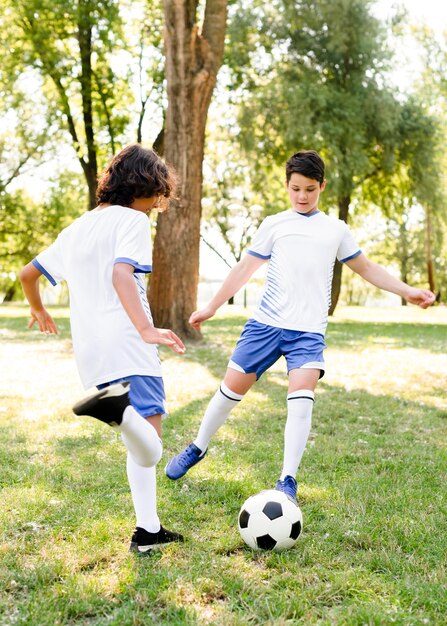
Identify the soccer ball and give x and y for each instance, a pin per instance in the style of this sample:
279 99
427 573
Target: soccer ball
270 520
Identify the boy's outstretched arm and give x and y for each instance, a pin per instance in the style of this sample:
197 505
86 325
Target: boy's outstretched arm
378 276
127 291
237 278
29 277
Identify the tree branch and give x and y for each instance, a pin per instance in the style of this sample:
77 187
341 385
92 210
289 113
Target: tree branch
215 251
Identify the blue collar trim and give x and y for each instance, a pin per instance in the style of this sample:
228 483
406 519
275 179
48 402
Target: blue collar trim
307 214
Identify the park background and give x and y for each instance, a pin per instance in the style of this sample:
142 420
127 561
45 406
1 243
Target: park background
230 90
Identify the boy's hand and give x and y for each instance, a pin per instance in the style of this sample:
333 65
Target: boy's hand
421 297
44 320
198 317
165 337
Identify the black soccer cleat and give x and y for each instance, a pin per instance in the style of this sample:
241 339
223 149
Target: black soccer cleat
143 541
107 404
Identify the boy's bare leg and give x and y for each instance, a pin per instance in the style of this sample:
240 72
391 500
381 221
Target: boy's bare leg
155 420
239 382
303 379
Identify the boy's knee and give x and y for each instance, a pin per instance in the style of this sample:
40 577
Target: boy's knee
150 456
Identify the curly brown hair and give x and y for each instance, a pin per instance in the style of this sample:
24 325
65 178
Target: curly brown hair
135 172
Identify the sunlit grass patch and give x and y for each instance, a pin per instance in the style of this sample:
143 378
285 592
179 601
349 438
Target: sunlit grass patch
371 486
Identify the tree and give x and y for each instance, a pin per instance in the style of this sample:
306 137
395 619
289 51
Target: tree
193 58
399 223
82 57
21 149
323 86
233 219
67 43
432 90
27 226
412 186
232 211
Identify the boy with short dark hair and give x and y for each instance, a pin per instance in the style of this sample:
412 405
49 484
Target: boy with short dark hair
301 245
103 256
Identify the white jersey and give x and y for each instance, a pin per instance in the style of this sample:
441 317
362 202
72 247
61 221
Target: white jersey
106 344
302 249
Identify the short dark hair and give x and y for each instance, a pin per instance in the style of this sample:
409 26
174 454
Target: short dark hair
135 172
306 162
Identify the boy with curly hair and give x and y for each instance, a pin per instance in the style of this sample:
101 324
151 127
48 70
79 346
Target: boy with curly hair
103 256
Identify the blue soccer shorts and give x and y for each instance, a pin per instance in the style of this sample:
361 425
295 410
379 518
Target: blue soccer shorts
146 395
260 346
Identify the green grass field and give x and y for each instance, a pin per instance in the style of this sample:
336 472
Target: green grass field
372 487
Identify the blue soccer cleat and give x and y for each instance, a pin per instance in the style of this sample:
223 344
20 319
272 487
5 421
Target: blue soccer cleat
288 486
180 464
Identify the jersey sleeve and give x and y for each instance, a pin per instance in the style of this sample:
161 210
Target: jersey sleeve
348 248
51 261
133 244
262 242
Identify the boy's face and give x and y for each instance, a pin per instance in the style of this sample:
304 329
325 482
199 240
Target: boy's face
145 205
304 193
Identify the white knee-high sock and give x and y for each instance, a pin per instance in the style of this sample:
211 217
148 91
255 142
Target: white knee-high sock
140 438
218 409
296 433
143 487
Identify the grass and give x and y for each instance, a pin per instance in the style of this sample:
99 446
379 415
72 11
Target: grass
372 487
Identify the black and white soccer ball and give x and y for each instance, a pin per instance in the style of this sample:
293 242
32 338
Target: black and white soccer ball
270 520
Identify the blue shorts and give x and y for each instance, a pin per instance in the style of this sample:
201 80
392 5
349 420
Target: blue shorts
146 395
260 346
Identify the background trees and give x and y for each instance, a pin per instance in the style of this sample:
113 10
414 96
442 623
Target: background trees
66 44
325 86
79 80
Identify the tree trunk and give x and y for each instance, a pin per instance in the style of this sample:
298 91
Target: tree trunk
192 61
85 151
343 210
91 176
429 251
10 293
403 256
85 25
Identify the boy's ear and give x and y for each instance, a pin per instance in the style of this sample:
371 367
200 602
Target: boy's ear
323 185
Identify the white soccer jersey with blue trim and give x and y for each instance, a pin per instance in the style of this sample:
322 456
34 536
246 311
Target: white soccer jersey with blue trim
302 249
106 344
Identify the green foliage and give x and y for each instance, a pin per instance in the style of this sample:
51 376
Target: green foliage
85 60
234 196
324 89
69 45
27 225
321 69
416 181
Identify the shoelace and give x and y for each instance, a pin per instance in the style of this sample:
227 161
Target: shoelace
185 456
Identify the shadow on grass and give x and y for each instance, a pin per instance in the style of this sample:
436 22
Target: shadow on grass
366 489
372 489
